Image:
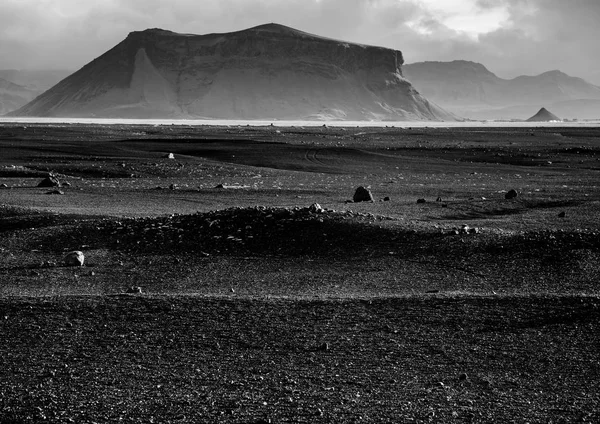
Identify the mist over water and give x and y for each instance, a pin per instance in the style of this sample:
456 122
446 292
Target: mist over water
276 123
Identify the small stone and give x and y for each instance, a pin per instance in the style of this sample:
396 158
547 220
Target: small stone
66 184
386 199
324 347
421 201
74 258
511 194
562 214
3 186
463 377
439 199
169 156
134 290
55 192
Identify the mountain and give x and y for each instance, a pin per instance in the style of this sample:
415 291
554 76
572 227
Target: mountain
38 80
13 96
266 72
543 115
469 89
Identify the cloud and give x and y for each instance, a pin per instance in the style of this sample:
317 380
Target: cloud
509 36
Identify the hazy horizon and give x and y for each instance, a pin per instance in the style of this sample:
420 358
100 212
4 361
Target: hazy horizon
510 37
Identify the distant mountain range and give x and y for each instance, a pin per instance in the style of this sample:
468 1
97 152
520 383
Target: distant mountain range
19 87
276 72
470 90
266 72
13 96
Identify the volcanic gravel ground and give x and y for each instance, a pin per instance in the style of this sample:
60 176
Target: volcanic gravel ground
182 359
471 309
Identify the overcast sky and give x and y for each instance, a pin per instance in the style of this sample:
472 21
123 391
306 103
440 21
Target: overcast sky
510 37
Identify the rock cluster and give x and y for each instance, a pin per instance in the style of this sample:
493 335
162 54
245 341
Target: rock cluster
256 229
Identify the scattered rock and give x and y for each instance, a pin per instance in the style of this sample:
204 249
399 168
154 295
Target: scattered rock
74 258
463 377
172 187
362 195
134 290
55 192
3 186
220 186
169 156
66 184
421 201
50 181
562 214
324 347
511 194
315 208
386 199
439 199
474 231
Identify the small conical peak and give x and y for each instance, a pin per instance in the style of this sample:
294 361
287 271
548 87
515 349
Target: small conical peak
544 115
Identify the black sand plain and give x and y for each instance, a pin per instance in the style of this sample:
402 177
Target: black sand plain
256 307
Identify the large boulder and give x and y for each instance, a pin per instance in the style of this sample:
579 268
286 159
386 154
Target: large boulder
362 195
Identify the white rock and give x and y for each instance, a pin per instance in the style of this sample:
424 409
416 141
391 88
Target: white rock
74 258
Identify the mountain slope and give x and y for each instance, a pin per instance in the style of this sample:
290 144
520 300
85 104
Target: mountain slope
471 90
266 72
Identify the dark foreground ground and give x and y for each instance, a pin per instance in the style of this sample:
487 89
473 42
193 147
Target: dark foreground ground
254 306
186 359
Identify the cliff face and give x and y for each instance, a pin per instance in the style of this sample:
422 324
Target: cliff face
266 72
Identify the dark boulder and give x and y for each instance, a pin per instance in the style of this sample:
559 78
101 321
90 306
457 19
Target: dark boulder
511 194
362 195
49 181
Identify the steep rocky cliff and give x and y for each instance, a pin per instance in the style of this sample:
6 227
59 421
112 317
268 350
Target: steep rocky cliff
267 72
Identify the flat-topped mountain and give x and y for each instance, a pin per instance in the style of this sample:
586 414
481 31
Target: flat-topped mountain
267 72
471 90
